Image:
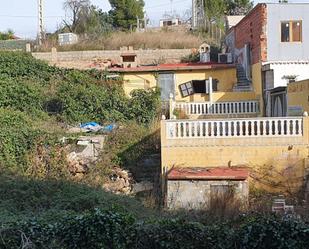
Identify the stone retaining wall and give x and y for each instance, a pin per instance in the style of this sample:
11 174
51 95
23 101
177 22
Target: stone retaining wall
144 56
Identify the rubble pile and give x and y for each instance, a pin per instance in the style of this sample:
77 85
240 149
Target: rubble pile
120 182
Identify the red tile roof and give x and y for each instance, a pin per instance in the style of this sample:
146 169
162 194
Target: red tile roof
173 67
219 173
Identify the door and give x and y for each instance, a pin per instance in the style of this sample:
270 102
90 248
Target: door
166 83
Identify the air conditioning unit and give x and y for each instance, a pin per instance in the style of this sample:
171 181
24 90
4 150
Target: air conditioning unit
225 58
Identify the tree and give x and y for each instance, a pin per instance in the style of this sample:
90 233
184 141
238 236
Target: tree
125 12
238 7
216 9
8 35
79 10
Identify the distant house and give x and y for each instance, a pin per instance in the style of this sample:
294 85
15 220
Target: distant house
170 22
270 44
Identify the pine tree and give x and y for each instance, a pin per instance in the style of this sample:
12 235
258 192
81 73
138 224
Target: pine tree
125 12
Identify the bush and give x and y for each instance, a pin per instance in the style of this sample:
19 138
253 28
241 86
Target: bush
144 105
20 96
90 102
111 229
27 84
23 65
17 136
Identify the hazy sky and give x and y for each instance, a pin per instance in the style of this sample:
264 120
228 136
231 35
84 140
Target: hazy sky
21 15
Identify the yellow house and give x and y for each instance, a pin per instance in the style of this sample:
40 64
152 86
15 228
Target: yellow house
186 81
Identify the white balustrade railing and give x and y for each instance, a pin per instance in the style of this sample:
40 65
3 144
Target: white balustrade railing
219 108
258 127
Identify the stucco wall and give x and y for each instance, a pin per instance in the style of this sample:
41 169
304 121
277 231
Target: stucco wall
277 50
257 84
196 194
298 94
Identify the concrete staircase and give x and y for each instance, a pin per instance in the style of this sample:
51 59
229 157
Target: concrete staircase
243 83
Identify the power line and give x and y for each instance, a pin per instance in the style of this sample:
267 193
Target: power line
10 16
165 4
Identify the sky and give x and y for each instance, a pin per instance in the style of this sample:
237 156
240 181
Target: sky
21 15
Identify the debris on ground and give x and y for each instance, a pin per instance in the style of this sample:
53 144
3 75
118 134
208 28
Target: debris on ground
93 127
120 182
84 153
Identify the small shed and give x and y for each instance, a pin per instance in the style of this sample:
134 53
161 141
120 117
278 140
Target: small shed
196 188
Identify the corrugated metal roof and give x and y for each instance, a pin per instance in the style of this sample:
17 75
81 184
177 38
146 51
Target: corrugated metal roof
218 173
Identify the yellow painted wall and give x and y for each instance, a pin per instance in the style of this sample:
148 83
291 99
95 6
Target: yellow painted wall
257 83
132 81
298 94
226 77
256 153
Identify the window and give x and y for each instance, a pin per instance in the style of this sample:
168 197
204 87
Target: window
296 31
197 86
291 31
128 58
186 89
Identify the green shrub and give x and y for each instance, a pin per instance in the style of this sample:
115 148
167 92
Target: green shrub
144 105
23 65
91 102
20 96
17 136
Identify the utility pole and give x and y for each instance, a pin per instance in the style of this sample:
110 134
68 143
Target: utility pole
198 13
41 30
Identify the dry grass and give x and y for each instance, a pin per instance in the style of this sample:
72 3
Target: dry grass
164 39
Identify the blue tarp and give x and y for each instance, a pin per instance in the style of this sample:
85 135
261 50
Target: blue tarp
93 126
89 125
110 127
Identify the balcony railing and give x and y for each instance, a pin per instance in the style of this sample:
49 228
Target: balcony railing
233 128
219 108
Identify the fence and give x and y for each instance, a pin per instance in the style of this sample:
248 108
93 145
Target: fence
219 108
232 128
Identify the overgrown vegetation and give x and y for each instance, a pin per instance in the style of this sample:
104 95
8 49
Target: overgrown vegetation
148 40
112 229
33 94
